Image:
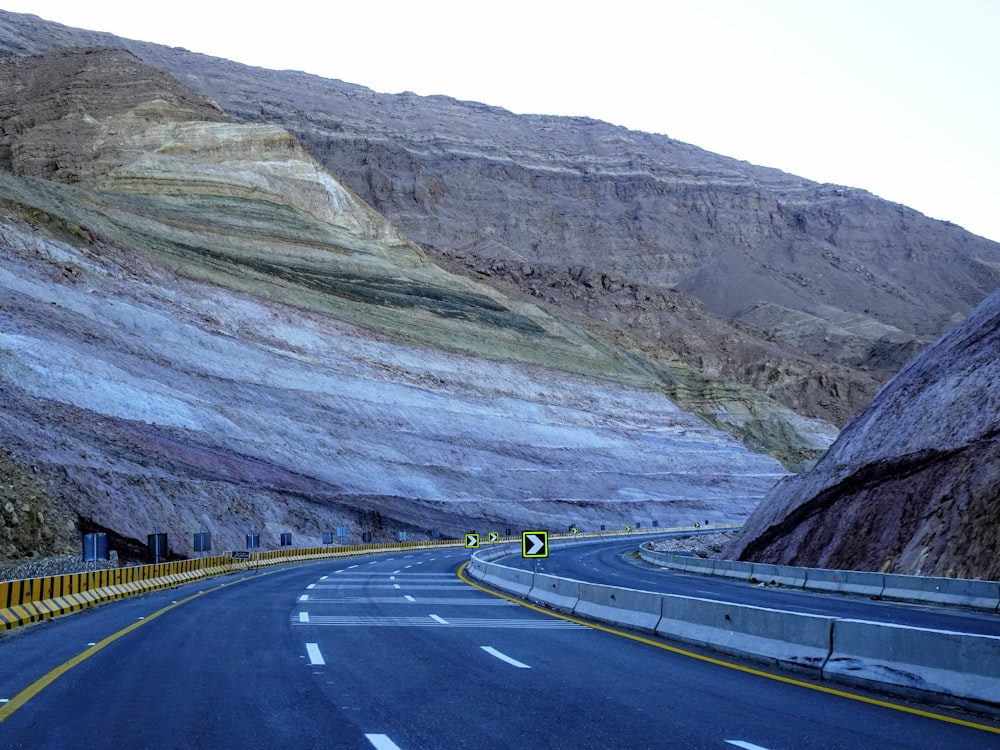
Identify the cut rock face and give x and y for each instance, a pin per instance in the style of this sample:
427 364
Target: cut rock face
911 485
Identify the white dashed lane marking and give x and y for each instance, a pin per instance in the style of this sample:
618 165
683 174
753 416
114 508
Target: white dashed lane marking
381 742
503 657
315 656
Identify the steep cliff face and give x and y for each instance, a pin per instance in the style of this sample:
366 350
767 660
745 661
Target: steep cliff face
812 294
912 485
202 329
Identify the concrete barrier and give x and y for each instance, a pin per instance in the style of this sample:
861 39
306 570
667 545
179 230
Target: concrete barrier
558 593
733 569
982 595
477 567
512 580
784 575
628 608
800 642
898 659
916 659
656 557
861 583
695 564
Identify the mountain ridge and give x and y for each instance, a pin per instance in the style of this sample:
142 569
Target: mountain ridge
201 329
546 197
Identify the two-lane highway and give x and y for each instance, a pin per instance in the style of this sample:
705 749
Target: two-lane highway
395 651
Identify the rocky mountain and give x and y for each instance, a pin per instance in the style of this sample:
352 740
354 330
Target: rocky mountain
201 328
810 294
238 299
912 485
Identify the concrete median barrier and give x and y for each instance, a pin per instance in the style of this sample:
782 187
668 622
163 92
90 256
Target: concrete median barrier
783 575
628 608
982 595
511 580
856 582
694 564
477 567
558 593
796 641
732 569
916 659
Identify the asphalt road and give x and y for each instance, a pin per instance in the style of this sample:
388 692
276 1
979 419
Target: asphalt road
394 651
611 562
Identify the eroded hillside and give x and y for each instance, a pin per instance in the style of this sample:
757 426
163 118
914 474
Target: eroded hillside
912 485
202 329
813 295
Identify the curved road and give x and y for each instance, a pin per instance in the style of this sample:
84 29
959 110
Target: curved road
395 651
611 561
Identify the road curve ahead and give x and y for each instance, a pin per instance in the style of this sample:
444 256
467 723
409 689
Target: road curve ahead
395 651
613 562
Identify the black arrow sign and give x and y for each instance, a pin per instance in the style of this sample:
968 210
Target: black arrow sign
534 544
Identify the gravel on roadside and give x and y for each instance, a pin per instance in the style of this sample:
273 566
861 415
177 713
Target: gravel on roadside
702 545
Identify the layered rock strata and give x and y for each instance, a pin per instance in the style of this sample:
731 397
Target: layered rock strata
911 485
694 257
202 329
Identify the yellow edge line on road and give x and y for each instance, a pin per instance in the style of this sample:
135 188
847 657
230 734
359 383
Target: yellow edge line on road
18 701
8 709
730 665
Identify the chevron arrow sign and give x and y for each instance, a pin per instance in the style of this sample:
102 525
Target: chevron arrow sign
534 544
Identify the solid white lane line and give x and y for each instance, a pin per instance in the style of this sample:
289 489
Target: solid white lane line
745 745
381 742
303 617
439 619
503 657
315 657
409 598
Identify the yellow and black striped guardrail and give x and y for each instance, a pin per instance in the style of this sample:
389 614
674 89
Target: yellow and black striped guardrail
34 599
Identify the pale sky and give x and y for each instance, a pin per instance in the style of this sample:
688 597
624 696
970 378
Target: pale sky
899 97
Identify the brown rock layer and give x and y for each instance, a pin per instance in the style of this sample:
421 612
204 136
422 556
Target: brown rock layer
483 189
912 485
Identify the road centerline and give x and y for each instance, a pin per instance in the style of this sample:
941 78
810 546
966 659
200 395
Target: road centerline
315 655
503 657
381 742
